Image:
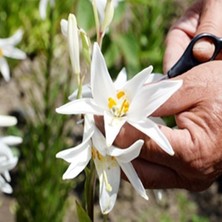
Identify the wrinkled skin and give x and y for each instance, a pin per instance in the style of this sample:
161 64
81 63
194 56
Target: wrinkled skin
197 107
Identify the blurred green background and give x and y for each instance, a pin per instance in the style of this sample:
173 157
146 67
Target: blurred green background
135 40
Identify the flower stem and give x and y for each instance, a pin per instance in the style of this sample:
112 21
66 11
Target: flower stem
96 17
105 218
89 190
47 94
92 191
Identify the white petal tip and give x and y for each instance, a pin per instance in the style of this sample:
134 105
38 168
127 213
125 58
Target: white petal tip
7 121
171 152
59 110
66 177
108 144
57 156
146 197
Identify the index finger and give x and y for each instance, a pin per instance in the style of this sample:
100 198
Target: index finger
180 36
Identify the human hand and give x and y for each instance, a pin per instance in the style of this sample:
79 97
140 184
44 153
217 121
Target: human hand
202 16
197 142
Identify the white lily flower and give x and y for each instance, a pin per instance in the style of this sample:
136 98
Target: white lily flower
7 162
43 7
133 103
8 49
108 161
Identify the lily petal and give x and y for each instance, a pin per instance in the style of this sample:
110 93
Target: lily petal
112 127
136 82
86 89
13 53
75 168
121 79
128 154
133 178
9 164
71 153
4 186
64 27
154 77
4 69
109 178
101 83
100 5
7 121
11 140
99 142
73 42
152 130
5 151
75 153
8 160
43 8
12 40
151 97
80 106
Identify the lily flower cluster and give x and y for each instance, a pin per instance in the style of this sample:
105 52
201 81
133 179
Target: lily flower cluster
133 102
8 49
118 102
8 160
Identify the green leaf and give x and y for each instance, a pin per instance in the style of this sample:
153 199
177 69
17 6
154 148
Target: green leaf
82 214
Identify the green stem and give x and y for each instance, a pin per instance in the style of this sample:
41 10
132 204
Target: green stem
105 218
90 190
47 91
96 17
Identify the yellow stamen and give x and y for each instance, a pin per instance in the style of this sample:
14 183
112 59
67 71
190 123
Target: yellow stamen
108 186
120 94
119 106
93 153
111 103
96 154
124 107
1 53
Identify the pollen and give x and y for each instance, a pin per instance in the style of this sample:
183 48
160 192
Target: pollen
111 103
96 154
120 94
125 106
119 105
1 53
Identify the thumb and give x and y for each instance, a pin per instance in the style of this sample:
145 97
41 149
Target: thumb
210 22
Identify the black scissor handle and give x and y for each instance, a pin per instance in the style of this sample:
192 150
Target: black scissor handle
188 61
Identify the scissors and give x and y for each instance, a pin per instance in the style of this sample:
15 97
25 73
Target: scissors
188 61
